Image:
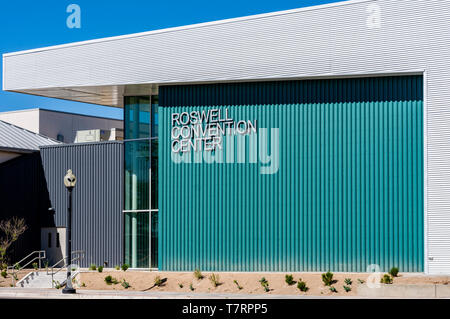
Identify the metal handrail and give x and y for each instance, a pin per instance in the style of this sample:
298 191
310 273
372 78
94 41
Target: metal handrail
80 255
54 266
15 269
76 252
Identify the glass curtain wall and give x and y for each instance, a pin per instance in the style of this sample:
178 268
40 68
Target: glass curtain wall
141 165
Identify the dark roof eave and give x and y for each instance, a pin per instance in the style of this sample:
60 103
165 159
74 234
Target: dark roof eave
17 150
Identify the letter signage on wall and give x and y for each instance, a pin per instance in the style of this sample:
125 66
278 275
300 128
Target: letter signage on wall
205 130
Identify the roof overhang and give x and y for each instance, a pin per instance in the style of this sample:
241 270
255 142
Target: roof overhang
107 95
331 40
17 150
104 71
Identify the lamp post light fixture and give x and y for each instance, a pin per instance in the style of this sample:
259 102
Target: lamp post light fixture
69 181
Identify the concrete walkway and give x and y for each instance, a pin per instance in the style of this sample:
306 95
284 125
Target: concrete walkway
29 293
36 293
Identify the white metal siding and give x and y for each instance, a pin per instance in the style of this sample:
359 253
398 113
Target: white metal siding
334 40
326 41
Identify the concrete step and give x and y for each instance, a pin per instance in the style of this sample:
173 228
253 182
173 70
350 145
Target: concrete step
40 279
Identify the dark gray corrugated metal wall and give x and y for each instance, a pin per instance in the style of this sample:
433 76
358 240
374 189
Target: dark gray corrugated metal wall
23 194
97 197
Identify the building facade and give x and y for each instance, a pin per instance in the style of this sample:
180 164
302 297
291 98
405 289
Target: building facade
16 141
97 202
23 188
61 126
306 140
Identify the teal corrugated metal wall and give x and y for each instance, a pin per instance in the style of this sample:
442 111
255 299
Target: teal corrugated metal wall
348 192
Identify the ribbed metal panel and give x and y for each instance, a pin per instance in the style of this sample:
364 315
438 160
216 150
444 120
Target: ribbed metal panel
97 197
348 192
375 89
298 43
15 137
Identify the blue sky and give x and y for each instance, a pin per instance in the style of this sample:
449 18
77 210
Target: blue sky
32 24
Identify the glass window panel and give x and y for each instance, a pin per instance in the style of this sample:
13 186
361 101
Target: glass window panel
154 163
137 240
137 117
155 102
154 243
141 189
137 179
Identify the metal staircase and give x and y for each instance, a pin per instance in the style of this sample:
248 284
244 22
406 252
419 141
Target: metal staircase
53 277
41 279
36 256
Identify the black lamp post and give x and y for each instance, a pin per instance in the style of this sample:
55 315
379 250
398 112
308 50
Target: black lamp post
69 181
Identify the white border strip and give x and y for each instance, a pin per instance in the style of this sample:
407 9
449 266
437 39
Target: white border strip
425 172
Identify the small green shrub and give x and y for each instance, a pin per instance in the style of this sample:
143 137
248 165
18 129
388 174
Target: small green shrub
83 285
289 280
35 266
15 277
386 279
394 272
117 267
93 267
264 284
327 278
191 287
125 267
57 284
214 279
158 281
125 284
198 274
237 284
111 280
4 274
348 281
301 285
180 285
17 266
332 289
347 288
361 281
100 269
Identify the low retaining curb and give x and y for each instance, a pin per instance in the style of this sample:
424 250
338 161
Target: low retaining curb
405 291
